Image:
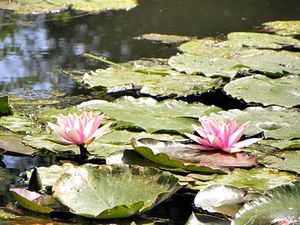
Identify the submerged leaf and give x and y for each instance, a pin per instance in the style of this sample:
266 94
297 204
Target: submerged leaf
277 206
115 191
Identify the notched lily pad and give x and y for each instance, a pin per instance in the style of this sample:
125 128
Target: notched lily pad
176 154
278 206
284 27
113 191
164 38
220 198
34 201
259 179
147 114
42 6
282 91
154 82
286 160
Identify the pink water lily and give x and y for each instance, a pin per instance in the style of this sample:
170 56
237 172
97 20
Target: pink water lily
220 135
79 130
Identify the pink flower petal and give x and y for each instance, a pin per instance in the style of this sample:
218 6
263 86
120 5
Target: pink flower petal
246 142
102 130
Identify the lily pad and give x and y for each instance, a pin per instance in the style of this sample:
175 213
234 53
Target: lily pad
286 160
4 106
284 27
34 201
147 114
259 179
205 219
260 40
12 143
220 198
282 91
220 59
42 6
275 122
113 191
278 206
164 38
117 79
282 144
179 155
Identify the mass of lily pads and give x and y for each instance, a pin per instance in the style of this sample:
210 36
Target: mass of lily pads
119 158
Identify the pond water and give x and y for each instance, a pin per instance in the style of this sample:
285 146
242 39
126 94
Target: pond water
35 49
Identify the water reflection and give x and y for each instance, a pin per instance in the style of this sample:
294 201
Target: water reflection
32 48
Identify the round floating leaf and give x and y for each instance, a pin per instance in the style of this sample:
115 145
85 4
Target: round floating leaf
278 206
179 155
260 179
282 91
282 144
164 38
152 83
147 114
275 122
115 191
204 219
284 27
42 6
287 160
220 198
34 201
260 40
228 61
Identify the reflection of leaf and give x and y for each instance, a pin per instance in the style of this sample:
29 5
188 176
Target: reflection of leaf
176 154
115 191
282 91
276 206
4 106
42 6
150 115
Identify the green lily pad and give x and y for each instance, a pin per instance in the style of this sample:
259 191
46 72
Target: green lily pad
179 155
42 6
12 143
4 106
282 144
213 58
278 206
113 191
282 91
147 114
259 179
260 40
275 122
284 27
205 219
220 198
34 201
164 38
118 79
287 160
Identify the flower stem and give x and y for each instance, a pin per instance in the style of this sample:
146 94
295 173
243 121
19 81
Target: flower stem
84 153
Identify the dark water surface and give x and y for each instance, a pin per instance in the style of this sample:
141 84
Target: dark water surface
33 49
